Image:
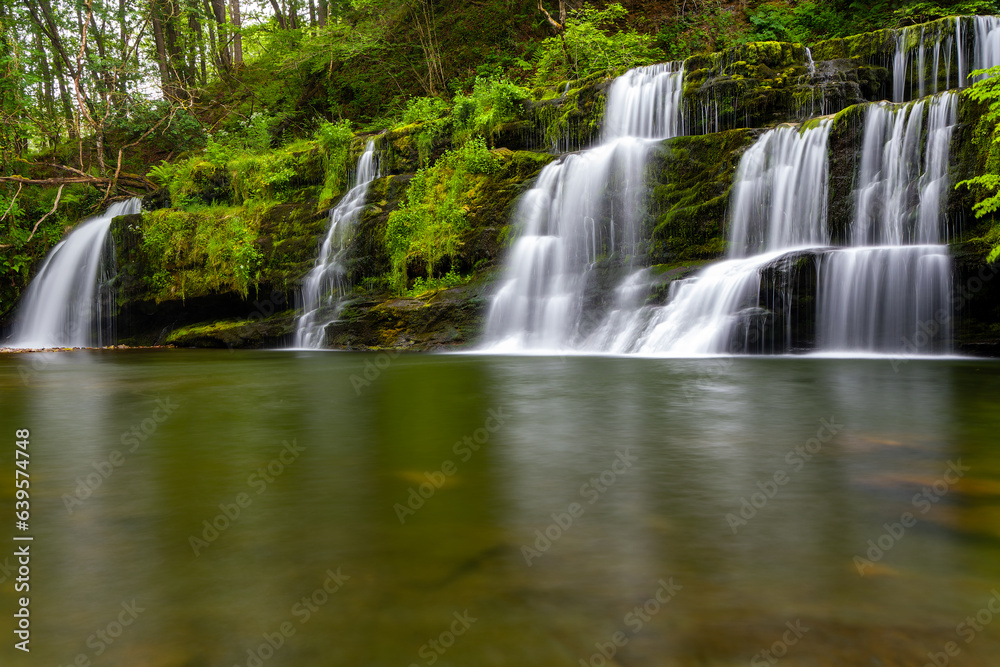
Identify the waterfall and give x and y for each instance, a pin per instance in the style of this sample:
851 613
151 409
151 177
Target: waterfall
585 207
66 302
779 196
896 281
939 60
880 299
778 205
904 172
987 49
327 283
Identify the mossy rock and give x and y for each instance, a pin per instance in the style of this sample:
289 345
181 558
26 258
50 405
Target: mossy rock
251 333
693 179
571 120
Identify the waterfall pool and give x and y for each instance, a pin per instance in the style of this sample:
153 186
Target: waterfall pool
314 509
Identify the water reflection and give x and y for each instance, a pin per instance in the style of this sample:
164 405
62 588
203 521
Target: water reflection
388 491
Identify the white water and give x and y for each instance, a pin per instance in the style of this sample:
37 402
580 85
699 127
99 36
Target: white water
62 306
918 71
892 292
779 196
987 47
778 205
880 299
903 178
327 283
584 207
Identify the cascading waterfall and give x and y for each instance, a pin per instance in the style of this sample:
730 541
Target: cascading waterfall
65 304
327 283
895 282
584 207
888 291
904 172
987 49
939 61
778 205
891 299
779 197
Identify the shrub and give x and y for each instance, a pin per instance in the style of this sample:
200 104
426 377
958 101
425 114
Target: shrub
591 45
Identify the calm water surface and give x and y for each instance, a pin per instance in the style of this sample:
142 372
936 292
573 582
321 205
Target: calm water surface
503 510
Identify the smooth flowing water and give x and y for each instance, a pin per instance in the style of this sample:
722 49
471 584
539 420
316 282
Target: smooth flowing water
939 60
779 204
326 285
584 207
64 305
886 294
555 503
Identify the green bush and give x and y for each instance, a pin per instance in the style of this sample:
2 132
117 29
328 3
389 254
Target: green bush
774 22
592 45
986 186
334 143
195 253
493 102
431 223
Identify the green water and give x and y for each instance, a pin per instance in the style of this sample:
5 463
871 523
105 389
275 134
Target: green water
640 460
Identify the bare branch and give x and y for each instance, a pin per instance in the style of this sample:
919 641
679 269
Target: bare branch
54 206
19 186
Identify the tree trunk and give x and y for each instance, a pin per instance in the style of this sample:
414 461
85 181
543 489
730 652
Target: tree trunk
280 15
237 22
211 34
123 49
225 55
161 55
324 12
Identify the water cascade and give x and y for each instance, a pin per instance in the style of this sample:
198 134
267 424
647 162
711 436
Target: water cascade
327 283
778 206
584 207
895 282
67 302
939 59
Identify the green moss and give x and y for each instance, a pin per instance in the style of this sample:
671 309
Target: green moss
573 118
693 182
882 43
211 250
